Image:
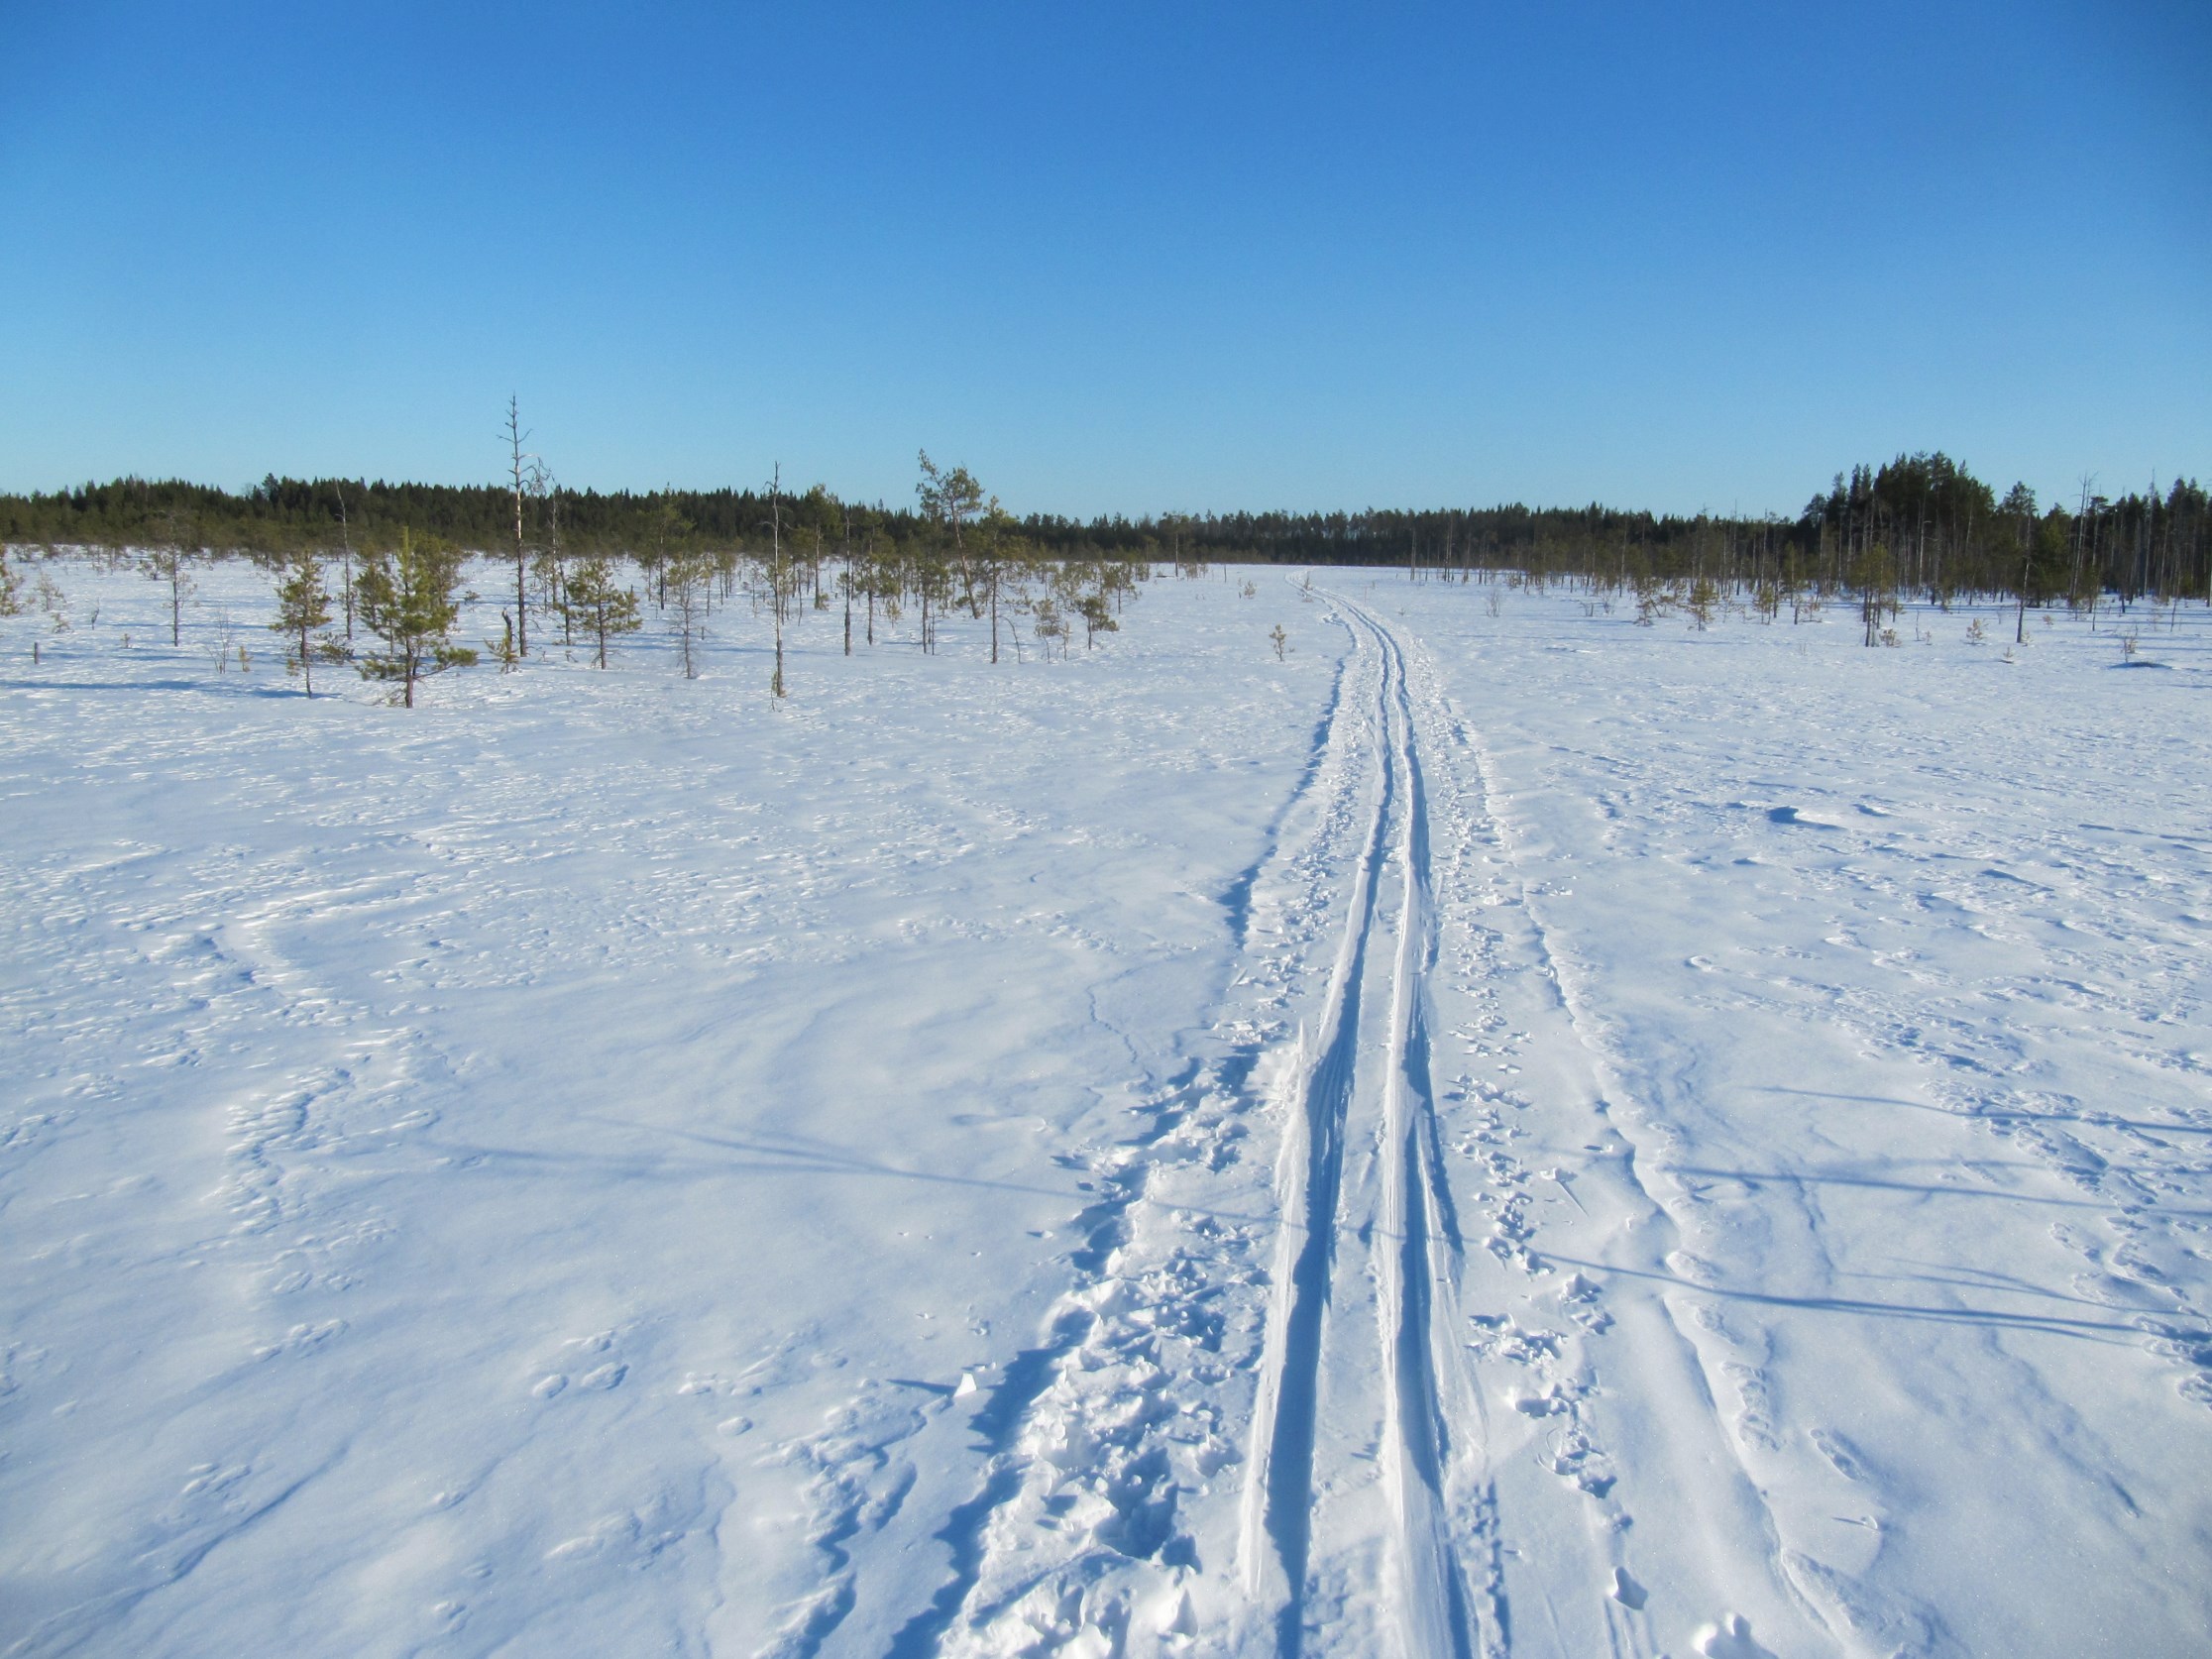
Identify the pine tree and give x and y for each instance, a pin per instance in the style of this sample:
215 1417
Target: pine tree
171 561
1050 626
782 580
302 606
593 602
846 582
949 500
1874 574
2018 506
409 601
1097 618
687 578
345 542
1004 565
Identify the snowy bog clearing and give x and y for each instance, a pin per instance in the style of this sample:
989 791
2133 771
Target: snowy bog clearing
1498 1134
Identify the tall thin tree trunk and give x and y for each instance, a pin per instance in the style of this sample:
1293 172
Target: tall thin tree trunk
514 447
345 540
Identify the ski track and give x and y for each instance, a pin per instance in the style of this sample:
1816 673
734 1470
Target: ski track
1415 1269
1197 1338
1258 1419
1085 1450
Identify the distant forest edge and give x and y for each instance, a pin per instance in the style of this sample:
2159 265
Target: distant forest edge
1932 526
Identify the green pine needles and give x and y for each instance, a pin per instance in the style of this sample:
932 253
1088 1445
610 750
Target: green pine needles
596 603
410 600
303 607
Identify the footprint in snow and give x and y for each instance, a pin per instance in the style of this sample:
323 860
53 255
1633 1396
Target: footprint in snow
1790 814
1840 1453
1730 1639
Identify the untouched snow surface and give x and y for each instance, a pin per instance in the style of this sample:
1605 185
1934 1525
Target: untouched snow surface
1501 1134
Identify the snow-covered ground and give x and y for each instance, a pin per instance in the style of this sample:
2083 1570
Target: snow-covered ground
1498 1134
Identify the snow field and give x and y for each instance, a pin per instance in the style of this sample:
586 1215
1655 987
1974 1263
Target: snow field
436 1139
1889 971
1499 1134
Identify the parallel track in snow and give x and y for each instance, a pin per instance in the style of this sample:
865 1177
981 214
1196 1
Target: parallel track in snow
1355 1082
1359 1415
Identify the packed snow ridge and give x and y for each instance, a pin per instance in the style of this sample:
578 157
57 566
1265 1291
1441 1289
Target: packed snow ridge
1498 1131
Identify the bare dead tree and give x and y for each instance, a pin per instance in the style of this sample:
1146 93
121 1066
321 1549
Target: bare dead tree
514 436
846 516
345 541
779 575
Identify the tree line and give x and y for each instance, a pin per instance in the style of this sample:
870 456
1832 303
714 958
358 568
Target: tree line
1947 534
1921 526
347 592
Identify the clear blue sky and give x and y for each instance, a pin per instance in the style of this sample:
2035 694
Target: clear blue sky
1112 258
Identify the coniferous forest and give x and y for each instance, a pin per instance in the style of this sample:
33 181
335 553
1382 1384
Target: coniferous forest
371 574
1920 524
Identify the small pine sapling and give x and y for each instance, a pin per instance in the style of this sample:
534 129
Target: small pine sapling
687 581
171 565
1280 641
1049 626
503 649
302 608
1097 618
1703 597
54 601
591 601
410 600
